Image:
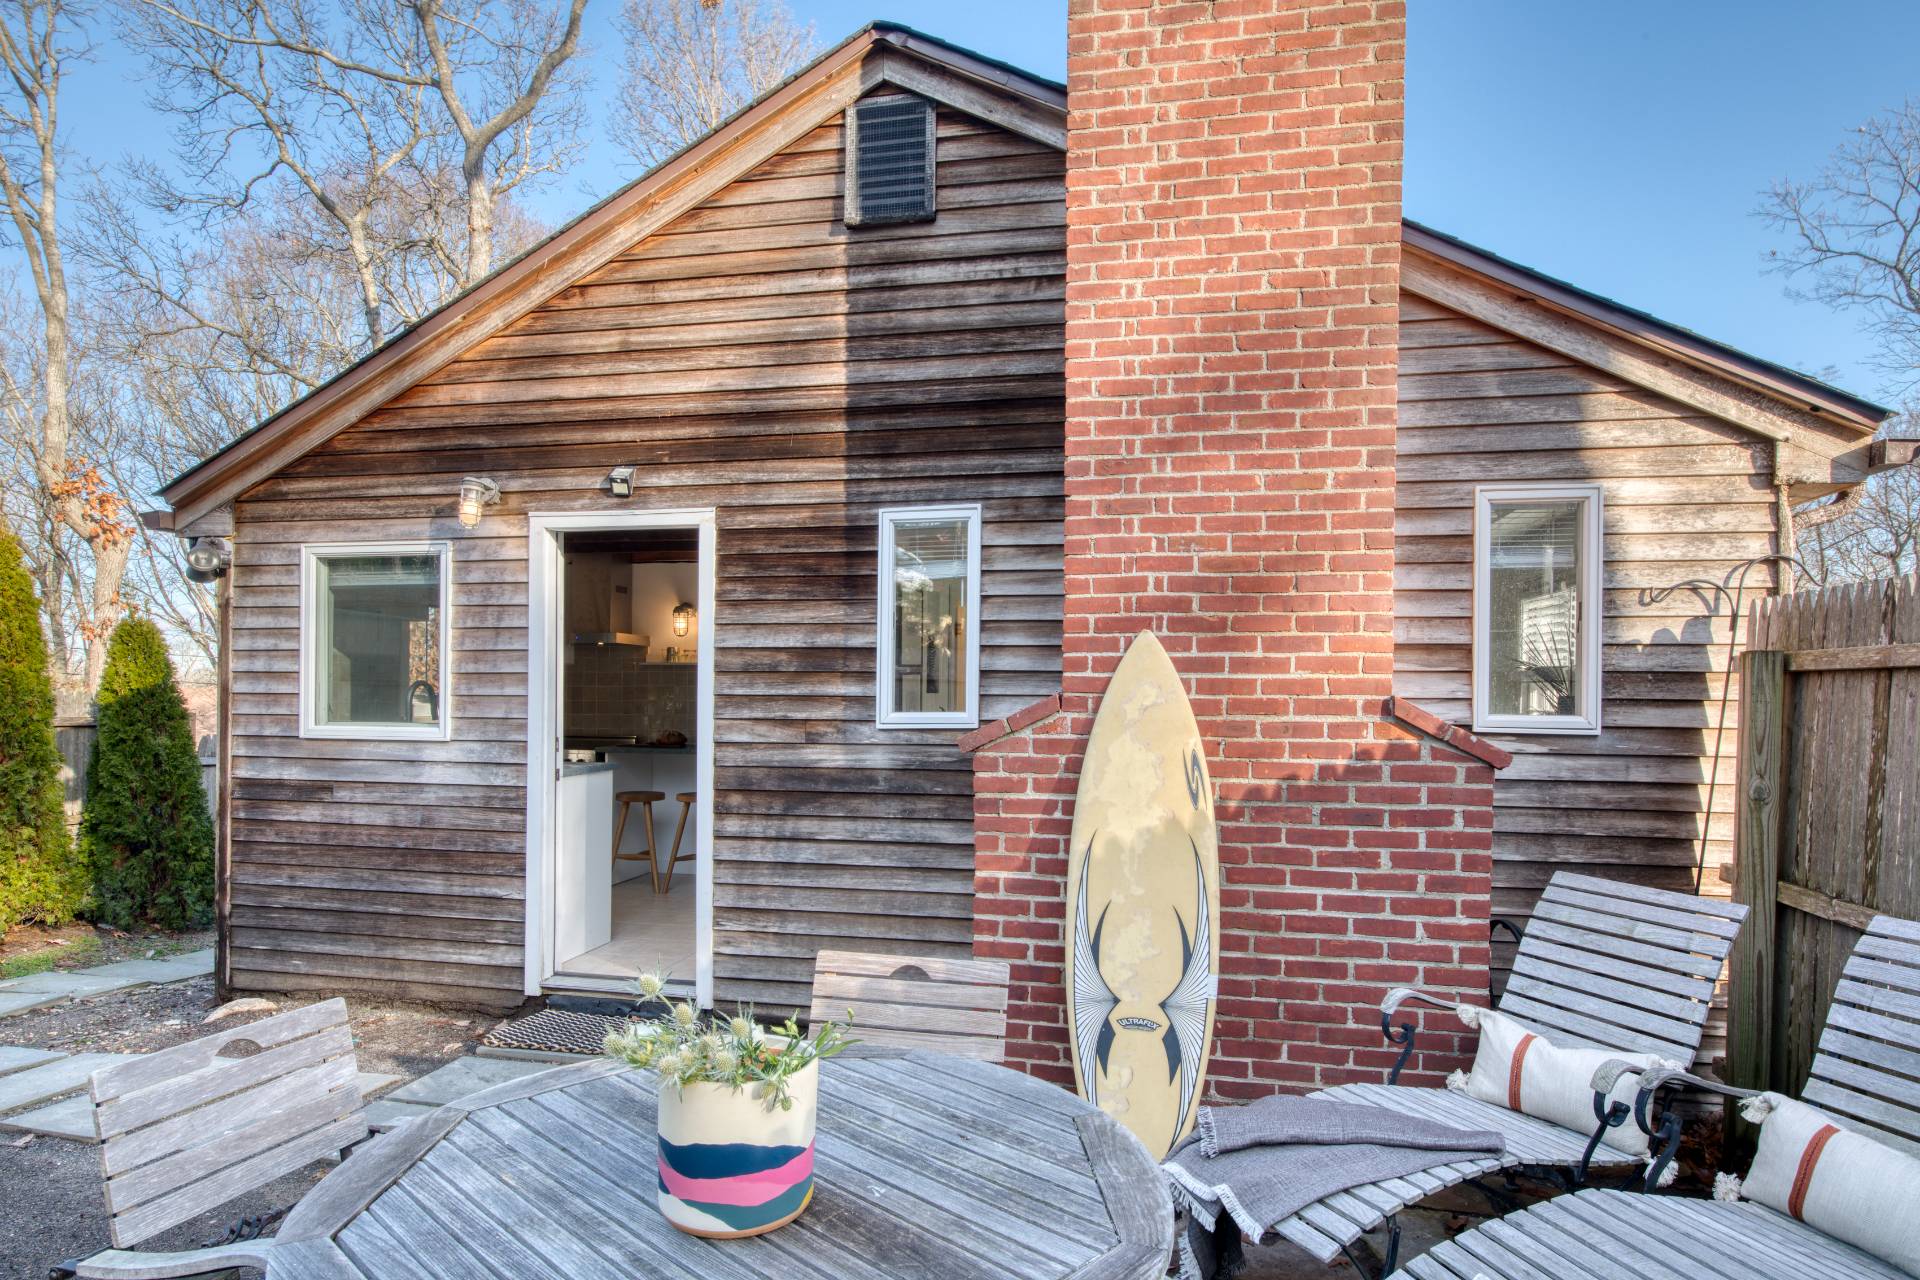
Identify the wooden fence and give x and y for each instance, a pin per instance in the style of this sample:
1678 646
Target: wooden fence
1828 832
74 735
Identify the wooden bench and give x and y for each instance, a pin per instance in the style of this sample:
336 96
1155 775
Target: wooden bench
915 1002
189 1128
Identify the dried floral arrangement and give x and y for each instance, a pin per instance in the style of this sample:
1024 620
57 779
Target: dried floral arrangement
684 1048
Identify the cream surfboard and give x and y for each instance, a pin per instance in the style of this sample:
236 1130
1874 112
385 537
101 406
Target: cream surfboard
1143 904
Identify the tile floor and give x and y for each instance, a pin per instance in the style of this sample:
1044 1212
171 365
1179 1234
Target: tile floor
650 932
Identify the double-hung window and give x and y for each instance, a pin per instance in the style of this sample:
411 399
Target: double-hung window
1536 608
374 640
929 641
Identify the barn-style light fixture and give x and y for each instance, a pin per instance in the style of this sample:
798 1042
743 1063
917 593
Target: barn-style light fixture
477 493
683 615
207 558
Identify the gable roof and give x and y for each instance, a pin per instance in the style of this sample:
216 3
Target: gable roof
884 53
1650 330
881 53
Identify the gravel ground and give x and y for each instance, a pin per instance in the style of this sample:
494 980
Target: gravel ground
53 1209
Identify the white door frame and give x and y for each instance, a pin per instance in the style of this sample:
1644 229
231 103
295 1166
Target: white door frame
544 720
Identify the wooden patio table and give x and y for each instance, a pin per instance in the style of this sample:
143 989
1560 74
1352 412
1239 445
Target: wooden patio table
925 1165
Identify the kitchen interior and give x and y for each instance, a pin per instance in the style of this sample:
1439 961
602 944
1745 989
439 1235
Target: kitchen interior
626 811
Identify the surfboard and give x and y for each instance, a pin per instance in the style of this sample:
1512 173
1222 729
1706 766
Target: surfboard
1143 904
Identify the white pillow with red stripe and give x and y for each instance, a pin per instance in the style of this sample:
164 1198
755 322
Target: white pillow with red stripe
1846 1184
1518 1068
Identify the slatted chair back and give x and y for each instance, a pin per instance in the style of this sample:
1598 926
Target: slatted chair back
914 1002
1866 1068
189 1128
1617 966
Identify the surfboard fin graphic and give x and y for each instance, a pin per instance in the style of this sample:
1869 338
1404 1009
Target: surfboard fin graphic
1186 1005
1093 1000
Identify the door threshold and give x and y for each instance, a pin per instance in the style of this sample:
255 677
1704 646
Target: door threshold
594 984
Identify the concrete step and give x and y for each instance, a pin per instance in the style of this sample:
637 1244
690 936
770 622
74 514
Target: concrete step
72 984
12 1002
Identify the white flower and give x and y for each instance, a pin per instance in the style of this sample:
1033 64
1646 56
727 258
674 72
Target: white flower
683 1014
741 1028
650 985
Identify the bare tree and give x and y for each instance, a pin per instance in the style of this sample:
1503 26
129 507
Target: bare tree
485 89
1854 244
84 534
689 64
1854 233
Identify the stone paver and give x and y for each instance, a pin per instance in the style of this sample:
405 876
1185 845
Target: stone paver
193 964
25 1001
387 1114
372 1082
70 1118
19 1058
43 1084
463 1076
70 984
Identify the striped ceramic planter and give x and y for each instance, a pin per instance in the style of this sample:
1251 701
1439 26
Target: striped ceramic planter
730 1165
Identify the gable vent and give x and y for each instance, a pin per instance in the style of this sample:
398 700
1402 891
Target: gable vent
889 160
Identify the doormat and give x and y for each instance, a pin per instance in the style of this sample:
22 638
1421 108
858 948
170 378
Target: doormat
557 1031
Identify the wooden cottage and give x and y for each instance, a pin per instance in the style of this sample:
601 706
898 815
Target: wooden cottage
741 498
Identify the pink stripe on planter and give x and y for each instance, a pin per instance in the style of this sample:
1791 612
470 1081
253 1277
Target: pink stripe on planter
746 1189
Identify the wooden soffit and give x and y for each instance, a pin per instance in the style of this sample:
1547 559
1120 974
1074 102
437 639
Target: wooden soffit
874 56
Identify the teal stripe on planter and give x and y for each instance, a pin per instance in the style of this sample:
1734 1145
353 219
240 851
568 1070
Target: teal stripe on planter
724 1160
746 1217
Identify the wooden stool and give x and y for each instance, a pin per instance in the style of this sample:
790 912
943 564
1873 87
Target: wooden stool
675 857
645 799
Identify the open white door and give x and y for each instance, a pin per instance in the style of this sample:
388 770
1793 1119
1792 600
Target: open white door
569 832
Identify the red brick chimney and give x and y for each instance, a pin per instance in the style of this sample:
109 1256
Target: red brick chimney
1233 207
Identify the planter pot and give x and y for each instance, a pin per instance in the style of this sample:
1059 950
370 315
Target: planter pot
732 1165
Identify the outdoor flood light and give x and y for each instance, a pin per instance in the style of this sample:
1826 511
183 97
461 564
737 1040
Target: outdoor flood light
207 558
682 618
476 494
620 481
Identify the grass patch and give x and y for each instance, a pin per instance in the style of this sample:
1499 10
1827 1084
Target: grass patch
44 960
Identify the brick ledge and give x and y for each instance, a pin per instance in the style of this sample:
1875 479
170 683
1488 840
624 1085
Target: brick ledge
1025 717
1451 734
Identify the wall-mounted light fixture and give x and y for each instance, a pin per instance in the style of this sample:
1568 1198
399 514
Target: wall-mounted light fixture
208 558
620 481
682 619
476 494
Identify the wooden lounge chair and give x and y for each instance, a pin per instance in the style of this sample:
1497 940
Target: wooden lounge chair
189 1128
1864 1074
1602 965
915 1002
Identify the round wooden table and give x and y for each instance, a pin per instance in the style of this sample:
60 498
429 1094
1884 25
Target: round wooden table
925 1165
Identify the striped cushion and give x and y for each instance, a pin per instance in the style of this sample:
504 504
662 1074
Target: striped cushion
1809 1166
1518 1068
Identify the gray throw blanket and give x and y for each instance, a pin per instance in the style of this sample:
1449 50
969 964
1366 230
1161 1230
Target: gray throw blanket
1266 1162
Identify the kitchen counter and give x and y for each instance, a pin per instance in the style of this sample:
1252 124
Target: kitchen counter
575 768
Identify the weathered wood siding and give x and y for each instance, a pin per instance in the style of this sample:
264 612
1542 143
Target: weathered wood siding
1686 497
759 358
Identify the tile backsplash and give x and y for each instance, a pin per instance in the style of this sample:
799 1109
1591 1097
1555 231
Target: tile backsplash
612 692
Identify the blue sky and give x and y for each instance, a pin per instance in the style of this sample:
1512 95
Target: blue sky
1621 146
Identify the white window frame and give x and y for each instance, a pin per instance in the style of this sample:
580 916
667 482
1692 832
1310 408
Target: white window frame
1592 574
310 724
885 716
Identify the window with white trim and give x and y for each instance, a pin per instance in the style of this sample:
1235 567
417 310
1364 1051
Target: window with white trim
1537 562
929 643
374 640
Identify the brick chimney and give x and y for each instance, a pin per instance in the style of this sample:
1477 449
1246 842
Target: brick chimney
1233 208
